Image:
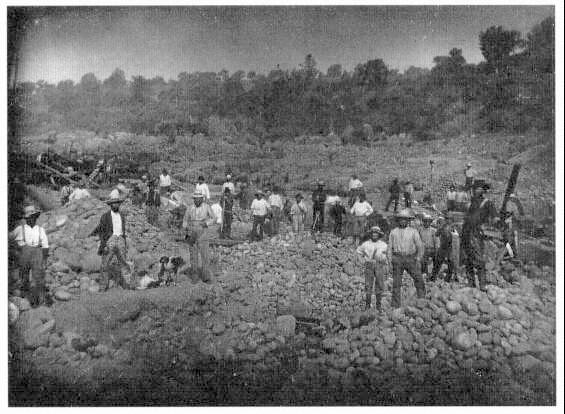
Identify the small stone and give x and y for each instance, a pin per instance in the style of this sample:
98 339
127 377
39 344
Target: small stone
218 328
453 307
503 312
525 362
464 340
470 308
56 340
99 351
62 295
21 303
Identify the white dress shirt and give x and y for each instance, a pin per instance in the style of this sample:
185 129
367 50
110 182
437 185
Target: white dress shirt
116 224
259 207
276 201
203 189
28 236
228 184
355 183
371 250
164 180
361 209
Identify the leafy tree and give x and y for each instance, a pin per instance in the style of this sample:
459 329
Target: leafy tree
497 44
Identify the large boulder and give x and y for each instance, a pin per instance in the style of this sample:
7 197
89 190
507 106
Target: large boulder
464 340
91 262
35 326
286 325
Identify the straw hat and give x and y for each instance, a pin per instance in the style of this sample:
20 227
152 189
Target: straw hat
376 229
114 198
406 213
30 211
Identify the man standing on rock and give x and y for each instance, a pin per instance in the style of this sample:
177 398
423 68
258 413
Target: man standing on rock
152 204
469 177
480 212
319 197
430 241
202 187
197 221
113 244
33 249
259 209
443 253
405 251
374 251
297 214
276 203
164 183
394 191
227 213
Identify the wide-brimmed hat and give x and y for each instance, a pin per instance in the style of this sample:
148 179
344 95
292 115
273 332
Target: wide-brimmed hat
481 184
376 229
320 182
427 217
406 213
228 176
197 194
30 211
114 198
469 164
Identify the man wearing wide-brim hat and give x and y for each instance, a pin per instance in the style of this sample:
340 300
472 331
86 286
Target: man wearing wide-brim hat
405 251
480 212
374 252
198 222
33 252
113 244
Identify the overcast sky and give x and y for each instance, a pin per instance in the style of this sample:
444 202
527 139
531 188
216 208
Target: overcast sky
66 43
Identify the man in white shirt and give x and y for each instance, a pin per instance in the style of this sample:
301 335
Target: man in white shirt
469 176
80 192
276 202
373 251
360 211
228 184
33 252
355 187
197 222
297 214
259 209
164 182
202 188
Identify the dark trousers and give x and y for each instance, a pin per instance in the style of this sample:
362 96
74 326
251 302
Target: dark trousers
395 198
468 183
31 260
258 224
319 223
338 228
276 219
374 282
399 265
113 261
442 256
429 254
226 224
473 247
407 200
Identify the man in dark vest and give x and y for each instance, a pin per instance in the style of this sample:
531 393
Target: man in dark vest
480 212
113 246
319 197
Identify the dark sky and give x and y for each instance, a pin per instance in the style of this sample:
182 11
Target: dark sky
66 43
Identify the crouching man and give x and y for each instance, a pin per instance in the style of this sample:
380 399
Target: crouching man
113 245
197 219
374 252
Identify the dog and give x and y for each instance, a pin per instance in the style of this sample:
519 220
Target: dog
168 270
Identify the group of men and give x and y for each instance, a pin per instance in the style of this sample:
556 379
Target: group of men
410 248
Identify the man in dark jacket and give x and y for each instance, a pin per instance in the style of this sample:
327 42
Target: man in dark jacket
337 213
152 204
443 253
227 213
394 191
472 237
113 246
319 197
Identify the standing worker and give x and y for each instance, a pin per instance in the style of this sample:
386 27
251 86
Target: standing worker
469 177
152 204
243 196
451 194
113 244
408 194
361 210
429 240
354 187
229 184
202 188
374 251
337 212
259 210
33 248
297 214
196 222
405 250
394 191
164 183
472 237
444 251
276 203
319 197
227 208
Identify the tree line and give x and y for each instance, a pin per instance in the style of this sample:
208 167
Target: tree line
512 90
